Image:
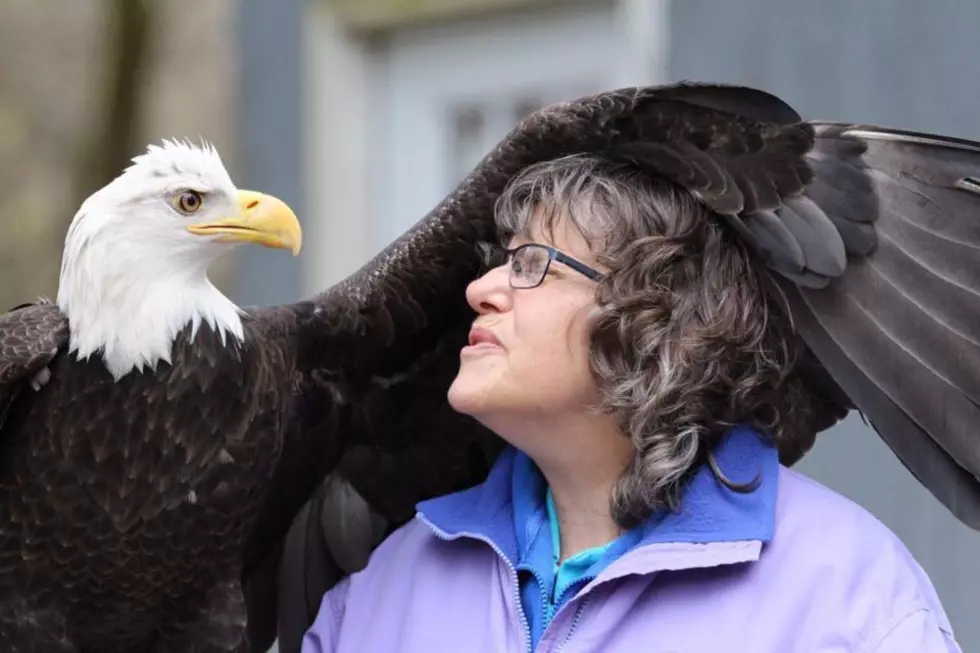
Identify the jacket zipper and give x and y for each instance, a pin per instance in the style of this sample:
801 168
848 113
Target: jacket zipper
578 615
442 535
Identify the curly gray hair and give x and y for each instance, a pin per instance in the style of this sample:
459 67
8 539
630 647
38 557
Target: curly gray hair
685 341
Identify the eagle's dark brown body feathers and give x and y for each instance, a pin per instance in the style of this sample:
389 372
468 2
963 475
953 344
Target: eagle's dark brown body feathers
153 481
134 501
338 403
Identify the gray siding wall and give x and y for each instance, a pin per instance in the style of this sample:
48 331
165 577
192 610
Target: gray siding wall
271 138
901 63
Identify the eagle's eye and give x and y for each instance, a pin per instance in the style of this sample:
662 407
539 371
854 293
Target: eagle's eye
188 202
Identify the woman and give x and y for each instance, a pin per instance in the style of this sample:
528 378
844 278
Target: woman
626 352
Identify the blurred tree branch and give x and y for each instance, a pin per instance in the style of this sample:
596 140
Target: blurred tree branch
83 86
113 140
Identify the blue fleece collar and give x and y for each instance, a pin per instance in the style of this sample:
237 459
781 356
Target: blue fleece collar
511 510
709 511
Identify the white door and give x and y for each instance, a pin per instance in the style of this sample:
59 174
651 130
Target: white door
445 94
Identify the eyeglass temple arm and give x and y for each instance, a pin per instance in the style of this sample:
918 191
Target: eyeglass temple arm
577 266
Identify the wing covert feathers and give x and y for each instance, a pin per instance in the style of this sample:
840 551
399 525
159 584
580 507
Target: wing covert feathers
689 133
31 335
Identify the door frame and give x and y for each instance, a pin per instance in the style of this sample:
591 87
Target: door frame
344 156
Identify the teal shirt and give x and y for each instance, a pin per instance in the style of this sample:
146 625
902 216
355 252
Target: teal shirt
576 567
546 585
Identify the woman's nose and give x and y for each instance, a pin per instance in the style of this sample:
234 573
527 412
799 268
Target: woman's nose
491 292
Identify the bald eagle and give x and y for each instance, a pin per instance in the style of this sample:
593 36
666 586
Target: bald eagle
179 474
144 416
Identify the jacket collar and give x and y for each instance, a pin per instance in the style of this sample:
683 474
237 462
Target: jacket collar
714 525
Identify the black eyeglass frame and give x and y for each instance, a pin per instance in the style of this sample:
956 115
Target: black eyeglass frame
553 255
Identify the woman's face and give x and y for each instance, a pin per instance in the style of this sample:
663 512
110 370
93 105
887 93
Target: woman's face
530 356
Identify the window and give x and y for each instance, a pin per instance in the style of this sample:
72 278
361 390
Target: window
477 126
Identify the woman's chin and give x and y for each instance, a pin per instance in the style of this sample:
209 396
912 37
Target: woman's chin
463 399
473 392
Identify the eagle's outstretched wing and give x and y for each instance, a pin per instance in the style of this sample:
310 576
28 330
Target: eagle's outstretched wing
900 330
870 233
878 263
360 455
381 347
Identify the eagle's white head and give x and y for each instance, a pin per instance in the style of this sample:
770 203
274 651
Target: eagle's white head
136 257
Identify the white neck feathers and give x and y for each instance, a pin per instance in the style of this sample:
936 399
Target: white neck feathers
130 303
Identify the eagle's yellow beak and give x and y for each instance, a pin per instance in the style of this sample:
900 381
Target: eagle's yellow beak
264 220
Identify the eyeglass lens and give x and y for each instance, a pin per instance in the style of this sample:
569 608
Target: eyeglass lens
528 266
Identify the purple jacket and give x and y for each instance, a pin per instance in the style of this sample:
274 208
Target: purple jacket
790 568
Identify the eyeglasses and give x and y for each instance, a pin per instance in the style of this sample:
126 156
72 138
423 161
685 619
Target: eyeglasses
529 264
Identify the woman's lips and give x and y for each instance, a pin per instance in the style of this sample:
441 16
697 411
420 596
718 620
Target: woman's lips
481 340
